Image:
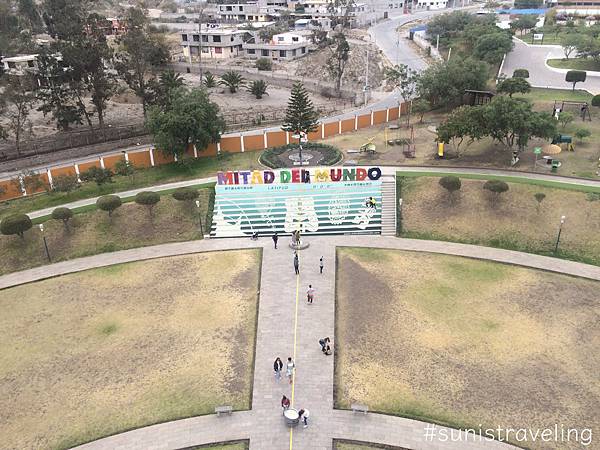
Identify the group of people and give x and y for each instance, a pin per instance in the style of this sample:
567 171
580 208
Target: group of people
303 414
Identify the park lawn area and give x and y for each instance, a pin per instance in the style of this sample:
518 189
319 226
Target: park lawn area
574 64
549 38
223 446
464 342
92 232
99 352
543 97
346 445
514 221
168 173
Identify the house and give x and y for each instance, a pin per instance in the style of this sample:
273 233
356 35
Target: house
216 41
243 12
20 65
284 46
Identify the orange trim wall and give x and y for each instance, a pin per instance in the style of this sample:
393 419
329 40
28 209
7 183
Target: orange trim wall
88 165
62 171
347 125
379 117
393 113
331 129
231 144
211 150
140 159
276 139
364 121
161 158
254 142
10 190
110 161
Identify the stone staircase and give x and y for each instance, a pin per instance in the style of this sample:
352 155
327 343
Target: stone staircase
388 205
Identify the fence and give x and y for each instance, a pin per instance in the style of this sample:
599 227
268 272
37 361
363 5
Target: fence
232 143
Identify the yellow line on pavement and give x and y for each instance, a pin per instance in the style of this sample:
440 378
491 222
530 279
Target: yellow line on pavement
294 351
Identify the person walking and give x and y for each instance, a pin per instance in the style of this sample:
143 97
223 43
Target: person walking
310 294
275 239
285 403
324 343
304 414
289 369
321 265
296 263
278 367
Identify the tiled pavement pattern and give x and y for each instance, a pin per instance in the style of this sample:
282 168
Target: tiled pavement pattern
263 424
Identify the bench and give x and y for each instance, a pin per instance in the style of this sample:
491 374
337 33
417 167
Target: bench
359 408
223 410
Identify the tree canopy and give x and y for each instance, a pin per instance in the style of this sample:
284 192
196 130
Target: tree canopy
300 115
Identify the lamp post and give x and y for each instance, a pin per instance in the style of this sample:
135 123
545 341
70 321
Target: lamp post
41 226
562 221
199 217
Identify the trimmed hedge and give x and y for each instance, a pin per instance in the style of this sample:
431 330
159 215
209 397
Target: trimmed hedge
15 224
331 154
185 194
596 100
109 203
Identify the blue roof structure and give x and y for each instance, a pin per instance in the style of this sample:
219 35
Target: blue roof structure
536 12
419 28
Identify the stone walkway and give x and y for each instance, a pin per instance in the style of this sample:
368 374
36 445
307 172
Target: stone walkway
287 326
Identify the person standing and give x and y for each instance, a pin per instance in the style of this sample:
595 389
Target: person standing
324 343
310 294
304 415
321 265
296 263
285 403
289 369
275 239
278 367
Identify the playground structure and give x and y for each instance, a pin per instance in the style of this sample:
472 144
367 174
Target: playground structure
408 146
368 147
583 107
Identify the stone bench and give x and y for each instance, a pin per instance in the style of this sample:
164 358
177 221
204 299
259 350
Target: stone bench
359 408
223 410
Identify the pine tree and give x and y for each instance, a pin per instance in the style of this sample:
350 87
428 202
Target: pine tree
300 115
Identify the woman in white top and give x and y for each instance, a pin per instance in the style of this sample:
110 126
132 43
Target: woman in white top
289 369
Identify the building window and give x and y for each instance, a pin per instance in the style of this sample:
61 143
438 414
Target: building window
218 50
303 50
230 49
204 38
228 8
264 52
294 39
184 37
251 51
294 52
216 38
196 38
30 64
282 53
204 50
231 39
241 8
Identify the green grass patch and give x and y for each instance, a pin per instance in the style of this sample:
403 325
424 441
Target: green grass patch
575 64
108 329
548 95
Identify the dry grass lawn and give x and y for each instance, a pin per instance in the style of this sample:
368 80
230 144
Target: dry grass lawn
465 342
92 232
514 221
95 353
345 445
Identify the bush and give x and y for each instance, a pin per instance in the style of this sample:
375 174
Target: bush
15 224
575 76
495 187
539 197
596 100
64 214
97 174
109 203
148 199
582 133
209 80
451 184
270 157
65 183
521 73
124 168
185 194
264 64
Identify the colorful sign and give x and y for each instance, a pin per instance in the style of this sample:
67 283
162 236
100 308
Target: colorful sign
309 175
313 207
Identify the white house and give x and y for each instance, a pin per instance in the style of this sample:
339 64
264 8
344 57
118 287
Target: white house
284 46
215 41
20 65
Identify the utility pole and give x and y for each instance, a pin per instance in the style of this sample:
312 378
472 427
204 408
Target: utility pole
200 43
366 88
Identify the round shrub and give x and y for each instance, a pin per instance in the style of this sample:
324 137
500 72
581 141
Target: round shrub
15 224
147 198
62 213
450 183
264 64
596 100
496 186
521 73
185 194
108 203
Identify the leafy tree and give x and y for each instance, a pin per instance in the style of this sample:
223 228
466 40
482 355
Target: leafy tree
336 63
340 11
19 100
589 47
575 76
521 73
448 25
209 80
582 133
124 168
420 107
570 42
539 198
140 52
496 188
63 214
404 79
109 203
444 83
258 88
319 38
264 64
98 175
65 183
565 118
15 224
300 115
524 4
492 47
30 180
596 100
512 86
148 199
232 79
167 82
191 119
452 185
462 123
523 22
30 16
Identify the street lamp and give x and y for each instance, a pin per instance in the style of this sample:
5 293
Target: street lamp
562 221
41 226
199 217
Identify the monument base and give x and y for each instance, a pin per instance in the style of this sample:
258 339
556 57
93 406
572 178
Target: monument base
299 246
